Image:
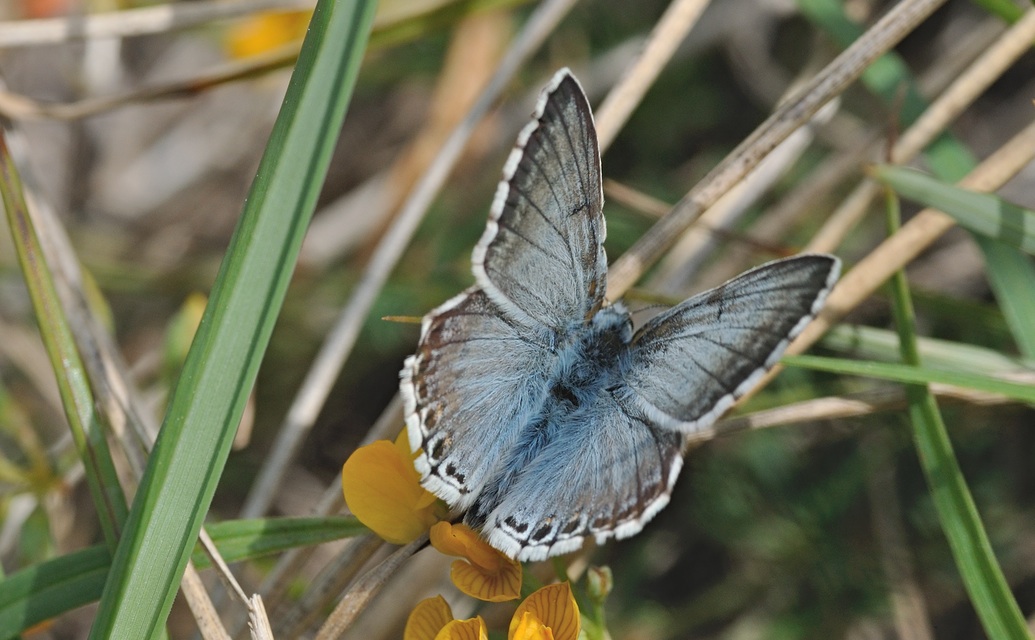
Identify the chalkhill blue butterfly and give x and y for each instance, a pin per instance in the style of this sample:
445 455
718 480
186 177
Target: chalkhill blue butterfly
534 408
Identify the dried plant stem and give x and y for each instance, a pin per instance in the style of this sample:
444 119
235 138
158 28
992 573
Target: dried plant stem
915 235
204 611
278 579
671 29
365 589
970 85
888 31
135 22
890 398
329 585
19 107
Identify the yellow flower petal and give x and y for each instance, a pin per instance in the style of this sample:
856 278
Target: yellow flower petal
428 618
473 629
554 606
485 573
529 627
383 490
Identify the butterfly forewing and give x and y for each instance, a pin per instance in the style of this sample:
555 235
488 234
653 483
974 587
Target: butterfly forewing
688 366
542 256
463 410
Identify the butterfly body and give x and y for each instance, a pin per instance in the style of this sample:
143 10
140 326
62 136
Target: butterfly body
585 371
533 407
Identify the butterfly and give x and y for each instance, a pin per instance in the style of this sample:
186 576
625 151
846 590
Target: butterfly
533 407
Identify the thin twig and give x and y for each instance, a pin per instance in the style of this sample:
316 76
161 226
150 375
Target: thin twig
967 88
912 238
662 43
19 107
332 501
201 606
135 22
329 584
364 590
887 32
885 398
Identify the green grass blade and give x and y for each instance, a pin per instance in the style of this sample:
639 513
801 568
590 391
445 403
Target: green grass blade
243 539
50 588
1012 276
879 344
1000 227
983 213
910 374
195 439
76 395
983 578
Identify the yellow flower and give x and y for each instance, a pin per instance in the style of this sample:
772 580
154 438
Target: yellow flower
432 620
485 573
383 490
265 32
548 614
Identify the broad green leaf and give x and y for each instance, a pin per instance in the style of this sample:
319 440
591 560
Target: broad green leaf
50 588
983 213
206 406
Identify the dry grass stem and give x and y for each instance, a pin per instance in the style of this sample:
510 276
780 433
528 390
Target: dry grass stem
135 22
915 235
967 88
829 83
662 43
885 398
679 265
193 590
353 603
19 107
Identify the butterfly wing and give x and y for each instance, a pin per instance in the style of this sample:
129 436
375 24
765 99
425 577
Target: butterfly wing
541 257
606 474
475 380
688 366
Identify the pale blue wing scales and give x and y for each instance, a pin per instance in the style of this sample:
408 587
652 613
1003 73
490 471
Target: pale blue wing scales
476 379
541 257
687 366
604 474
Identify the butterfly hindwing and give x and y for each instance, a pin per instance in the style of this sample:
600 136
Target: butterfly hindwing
541 257
463 410
605 475
688 365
